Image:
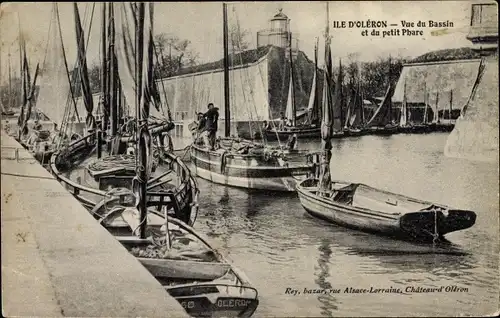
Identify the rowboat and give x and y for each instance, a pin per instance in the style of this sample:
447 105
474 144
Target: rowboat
365 208
202 280
361 207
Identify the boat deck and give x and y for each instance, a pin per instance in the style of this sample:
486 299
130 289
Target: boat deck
57 260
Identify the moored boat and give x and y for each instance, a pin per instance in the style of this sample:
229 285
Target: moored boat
204 282
306 130
364 208
241 163
144 195
368 209
301 131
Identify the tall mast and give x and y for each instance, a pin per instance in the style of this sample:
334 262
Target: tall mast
390 83
436 116
451 105
104 71
227 110
10 83
292 82
316 108
112 74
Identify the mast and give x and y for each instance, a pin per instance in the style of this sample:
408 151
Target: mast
141 154
390 83
327 115
113 104
425 103
227 110
10 83
436 116
104 71
316 108
292 83
451 106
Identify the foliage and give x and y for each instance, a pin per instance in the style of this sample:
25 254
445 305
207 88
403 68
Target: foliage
238 38
464 53
173 54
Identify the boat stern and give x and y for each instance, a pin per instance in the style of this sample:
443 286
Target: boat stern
228 296
432 224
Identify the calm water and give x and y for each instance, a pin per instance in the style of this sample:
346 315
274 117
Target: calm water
273 240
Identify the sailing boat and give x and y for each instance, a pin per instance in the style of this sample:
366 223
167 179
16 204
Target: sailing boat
369 209
381 121
355 112
7 111
242 163
146 197
310 129
404 125
53 100
448 125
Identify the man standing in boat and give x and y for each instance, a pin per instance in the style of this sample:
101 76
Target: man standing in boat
211 118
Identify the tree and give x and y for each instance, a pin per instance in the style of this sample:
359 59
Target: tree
173 54
238 38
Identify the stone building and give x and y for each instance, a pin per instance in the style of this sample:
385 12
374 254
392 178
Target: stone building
258 80
475 135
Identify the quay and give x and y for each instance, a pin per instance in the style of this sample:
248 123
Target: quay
57 260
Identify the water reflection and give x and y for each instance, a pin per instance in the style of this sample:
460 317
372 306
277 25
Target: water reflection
328 302
278 245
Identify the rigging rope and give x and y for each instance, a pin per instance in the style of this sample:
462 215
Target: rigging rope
262 81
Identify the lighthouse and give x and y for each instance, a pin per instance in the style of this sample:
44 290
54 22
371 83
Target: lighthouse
278 33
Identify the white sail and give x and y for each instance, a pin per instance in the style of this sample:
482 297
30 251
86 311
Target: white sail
312 96
55 89
289 112
436 110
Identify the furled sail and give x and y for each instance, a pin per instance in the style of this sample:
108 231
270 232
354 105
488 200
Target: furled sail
54 78
83 71
354 117
337 106
125 23
312 106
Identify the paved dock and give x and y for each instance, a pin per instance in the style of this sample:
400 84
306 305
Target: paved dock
57 260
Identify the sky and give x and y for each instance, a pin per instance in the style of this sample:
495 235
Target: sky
201 23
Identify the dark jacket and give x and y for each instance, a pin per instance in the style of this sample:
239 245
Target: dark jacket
211 117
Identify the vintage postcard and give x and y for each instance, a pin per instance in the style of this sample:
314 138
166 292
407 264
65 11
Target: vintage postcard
239 159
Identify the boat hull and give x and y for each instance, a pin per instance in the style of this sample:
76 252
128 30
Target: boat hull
203 288
384 131
421 226
246 171
301 133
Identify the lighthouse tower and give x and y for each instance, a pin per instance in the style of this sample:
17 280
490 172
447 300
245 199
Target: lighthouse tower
483 32
278 33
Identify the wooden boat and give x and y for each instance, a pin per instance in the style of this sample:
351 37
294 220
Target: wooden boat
258 167
203 281
381 122
305 131
355 119
387 130
364 208
241 163
309 129
368 209
148 196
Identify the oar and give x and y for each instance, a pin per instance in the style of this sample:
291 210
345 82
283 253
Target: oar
150 181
